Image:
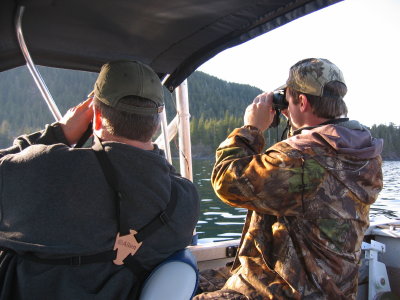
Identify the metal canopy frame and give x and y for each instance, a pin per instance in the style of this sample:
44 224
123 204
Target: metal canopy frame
174 37
44 91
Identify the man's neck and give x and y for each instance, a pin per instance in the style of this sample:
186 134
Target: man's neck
313 121
138 144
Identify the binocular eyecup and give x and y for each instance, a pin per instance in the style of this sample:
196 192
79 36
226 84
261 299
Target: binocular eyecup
279 103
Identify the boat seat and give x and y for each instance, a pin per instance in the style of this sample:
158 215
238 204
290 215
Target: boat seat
176 278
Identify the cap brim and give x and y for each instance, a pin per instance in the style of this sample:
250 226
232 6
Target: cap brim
282 87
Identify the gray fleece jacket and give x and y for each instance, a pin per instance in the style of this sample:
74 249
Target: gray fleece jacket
55 202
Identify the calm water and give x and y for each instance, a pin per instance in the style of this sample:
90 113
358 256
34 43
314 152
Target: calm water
219 221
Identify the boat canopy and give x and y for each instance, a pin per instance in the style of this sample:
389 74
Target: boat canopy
173 36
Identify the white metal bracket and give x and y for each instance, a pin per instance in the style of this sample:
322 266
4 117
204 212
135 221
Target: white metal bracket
378 281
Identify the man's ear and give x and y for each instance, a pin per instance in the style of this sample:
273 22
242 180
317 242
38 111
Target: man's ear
97 124
304 104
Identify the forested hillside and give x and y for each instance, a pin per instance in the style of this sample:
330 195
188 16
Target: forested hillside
216 107
22 107
391 140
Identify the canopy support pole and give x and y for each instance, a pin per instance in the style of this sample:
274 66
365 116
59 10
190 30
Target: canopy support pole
32 68
179 125
164 133
185 151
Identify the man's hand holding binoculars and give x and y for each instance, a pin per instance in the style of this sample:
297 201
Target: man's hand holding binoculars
260 113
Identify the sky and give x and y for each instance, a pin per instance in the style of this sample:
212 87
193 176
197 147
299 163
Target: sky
362 37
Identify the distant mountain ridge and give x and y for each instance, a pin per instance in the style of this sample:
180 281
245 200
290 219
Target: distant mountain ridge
24 109
216 107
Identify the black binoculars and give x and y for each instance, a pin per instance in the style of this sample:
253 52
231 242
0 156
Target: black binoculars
279 100
278 103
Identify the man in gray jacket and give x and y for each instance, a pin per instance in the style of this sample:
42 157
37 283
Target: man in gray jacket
90 223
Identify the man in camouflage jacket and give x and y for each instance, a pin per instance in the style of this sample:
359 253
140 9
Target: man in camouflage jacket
308 196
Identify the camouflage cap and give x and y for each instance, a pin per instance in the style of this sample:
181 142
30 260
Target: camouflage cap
311 75
119 79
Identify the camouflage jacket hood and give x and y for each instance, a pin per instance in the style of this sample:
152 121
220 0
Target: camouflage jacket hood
354 146
347 138
308 201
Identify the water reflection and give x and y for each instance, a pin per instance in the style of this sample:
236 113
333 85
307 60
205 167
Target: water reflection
219 221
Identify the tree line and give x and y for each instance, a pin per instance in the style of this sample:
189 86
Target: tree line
216 107
391 140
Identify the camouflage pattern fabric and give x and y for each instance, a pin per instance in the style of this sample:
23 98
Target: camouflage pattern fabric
311 75
308 211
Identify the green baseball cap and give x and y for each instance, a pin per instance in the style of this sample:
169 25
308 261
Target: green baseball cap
119 79
311 75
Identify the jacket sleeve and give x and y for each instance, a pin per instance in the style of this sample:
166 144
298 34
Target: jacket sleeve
52 134
269 182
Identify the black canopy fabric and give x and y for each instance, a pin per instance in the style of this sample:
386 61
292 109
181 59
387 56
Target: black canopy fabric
173 36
